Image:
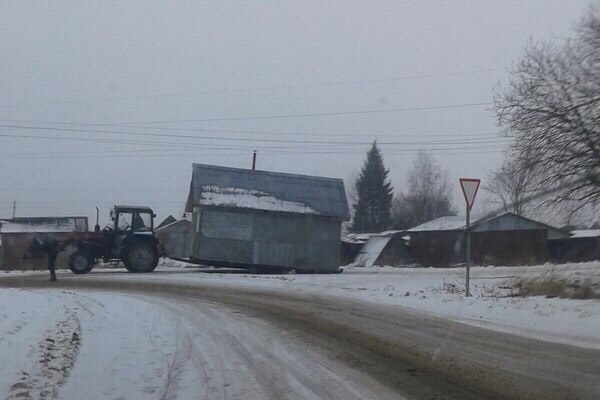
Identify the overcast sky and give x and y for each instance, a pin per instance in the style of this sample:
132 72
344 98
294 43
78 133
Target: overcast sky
111 102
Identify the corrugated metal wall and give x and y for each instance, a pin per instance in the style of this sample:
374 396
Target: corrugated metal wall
245 236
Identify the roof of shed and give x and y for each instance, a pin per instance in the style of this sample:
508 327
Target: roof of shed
268 191
167 221
458 223
361 238
41 224
173 223
449 223
372 250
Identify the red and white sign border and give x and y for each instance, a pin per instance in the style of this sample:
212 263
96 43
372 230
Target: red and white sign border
462 187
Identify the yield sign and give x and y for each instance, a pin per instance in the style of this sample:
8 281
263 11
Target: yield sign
469 188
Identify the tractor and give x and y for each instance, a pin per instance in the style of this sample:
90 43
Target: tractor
128 238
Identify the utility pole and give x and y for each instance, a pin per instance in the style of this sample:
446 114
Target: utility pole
253 160
14 209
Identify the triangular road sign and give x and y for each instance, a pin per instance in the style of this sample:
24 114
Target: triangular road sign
469 188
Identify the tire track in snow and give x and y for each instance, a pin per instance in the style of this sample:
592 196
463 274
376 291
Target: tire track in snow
54 358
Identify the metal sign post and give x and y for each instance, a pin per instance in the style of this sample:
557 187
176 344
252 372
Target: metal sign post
469 188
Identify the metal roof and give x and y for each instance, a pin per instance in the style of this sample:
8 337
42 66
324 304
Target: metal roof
43 224
585 233
127 208
504 221
268 191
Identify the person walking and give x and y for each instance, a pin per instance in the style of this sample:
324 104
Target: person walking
45 245
51 247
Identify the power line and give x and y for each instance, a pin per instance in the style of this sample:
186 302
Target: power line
262 89
254 132
220 138
318 114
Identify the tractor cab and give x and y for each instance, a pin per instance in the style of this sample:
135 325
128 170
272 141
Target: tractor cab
132 219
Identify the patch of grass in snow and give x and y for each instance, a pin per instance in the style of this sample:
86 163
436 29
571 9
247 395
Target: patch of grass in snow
551 285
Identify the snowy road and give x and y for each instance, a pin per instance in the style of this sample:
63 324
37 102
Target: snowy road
176 339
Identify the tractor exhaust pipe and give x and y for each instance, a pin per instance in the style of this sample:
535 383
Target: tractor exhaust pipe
97 227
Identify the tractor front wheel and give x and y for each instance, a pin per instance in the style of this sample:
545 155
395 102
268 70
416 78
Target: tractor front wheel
141 257
81 262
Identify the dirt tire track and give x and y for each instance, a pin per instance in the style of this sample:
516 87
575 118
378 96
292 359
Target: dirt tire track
55 356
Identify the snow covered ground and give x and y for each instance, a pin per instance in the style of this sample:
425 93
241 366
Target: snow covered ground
440 291
43 331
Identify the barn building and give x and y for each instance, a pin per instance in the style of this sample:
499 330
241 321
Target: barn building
506 239
17 234
266 220
582 245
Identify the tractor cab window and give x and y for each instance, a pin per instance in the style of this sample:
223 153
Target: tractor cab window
134 221
141 222
124 221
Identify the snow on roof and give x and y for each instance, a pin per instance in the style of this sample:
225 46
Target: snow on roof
449 223
482 223
362 238
255 199
585 233
58 225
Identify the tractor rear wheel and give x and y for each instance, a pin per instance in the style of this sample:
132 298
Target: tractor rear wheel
81 262
141 257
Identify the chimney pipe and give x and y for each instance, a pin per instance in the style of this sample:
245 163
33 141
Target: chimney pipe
97 227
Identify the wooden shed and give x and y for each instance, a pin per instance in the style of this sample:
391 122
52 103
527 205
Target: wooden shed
266 220
506 239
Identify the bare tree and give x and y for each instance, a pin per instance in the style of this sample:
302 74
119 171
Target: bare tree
511 185
427 196
552 108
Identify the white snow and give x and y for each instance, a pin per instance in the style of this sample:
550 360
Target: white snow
24 227
585 233
96 345
244 198
108 346
449 223
126 346
440 291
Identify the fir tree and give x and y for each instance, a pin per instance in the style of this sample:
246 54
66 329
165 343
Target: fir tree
374 195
